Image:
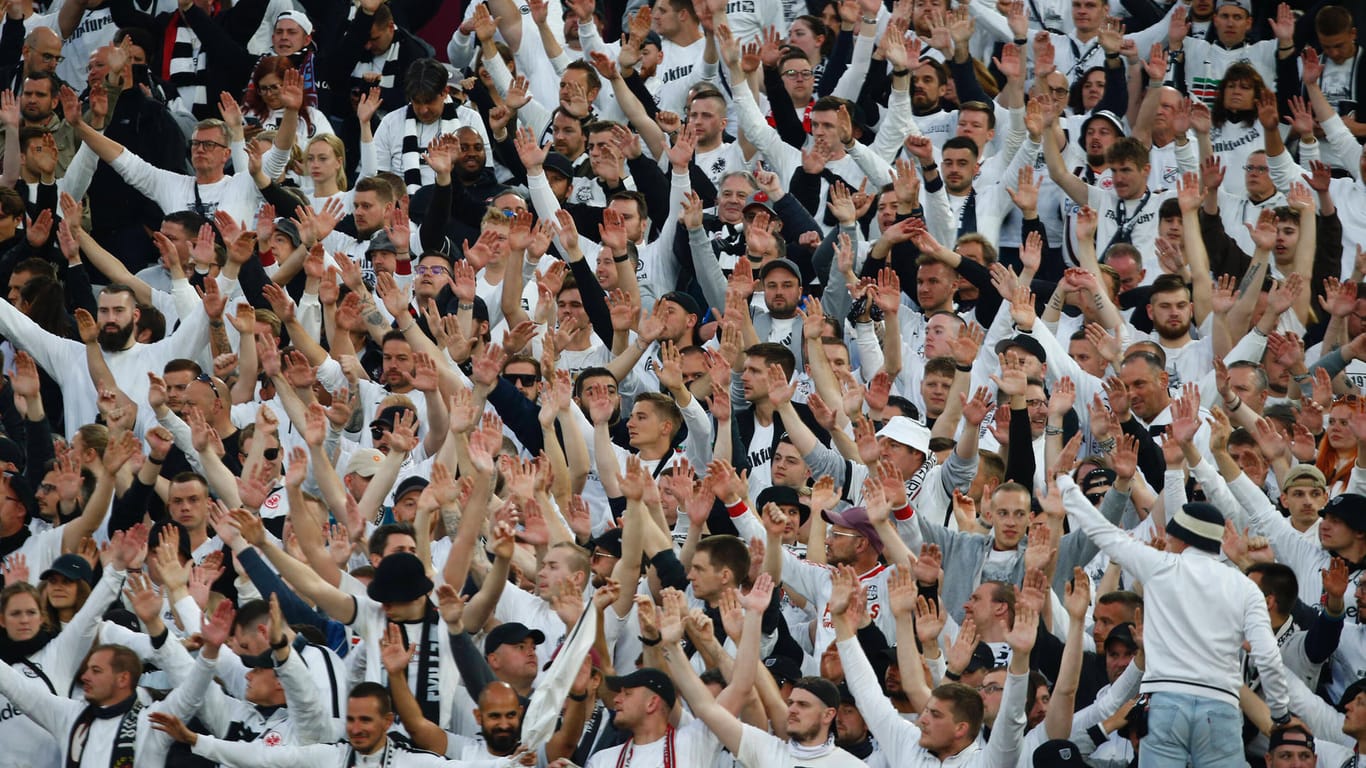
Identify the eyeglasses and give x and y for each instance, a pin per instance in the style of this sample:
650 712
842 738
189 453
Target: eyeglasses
433 270
1036 403
205 378
601 555
46 488
990 688
52 57
1250 168
798 74
206 145
524 379
268 88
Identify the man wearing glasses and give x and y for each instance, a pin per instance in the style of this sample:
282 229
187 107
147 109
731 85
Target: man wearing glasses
42 52
208 190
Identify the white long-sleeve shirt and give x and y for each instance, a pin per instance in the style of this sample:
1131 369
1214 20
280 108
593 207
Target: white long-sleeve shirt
236 194
1192 645
64 360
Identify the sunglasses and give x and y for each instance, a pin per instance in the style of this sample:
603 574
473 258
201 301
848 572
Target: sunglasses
523 379
270 454
378 433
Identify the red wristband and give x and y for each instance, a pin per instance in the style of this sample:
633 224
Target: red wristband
904 513
738 508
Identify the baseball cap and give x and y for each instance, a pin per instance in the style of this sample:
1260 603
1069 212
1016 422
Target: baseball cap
1100 114
982 658
554 161
688 303
298 17
902 429
23 492
760 198
1350 508
1246 5
389 415
364 462
380 242
783 669
1353 690
646 677
72 566
410 484
856 519
1058 753
1304 474
511 633
609 542
1123 633
290 229
1027 343
780 264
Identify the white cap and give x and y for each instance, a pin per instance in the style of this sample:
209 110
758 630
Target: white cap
298 17
908 432
364 462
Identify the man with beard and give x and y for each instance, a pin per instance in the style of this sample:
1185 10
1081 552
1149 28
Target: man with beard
1171 309
37 110
1128 209
123 361
404 133
929 88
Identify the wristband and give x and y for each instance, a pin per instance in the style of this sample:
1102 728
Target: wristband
1052 430
646 642
151 460
1021 41
900 72
963 368
930 167
284 643
582 696
954 676
621 259
463 305
1232 408
1112 56
867 20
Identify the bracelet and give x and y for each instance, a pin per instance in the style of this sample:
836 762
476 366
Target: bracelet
580 697
284 643
1302 377
1290 47
1232 408
1107 445
157 462
622 258
954 676
963 368
867 20
411 323
1112 56
930 167
463 305
900 72
647 642
1021 41
1049 430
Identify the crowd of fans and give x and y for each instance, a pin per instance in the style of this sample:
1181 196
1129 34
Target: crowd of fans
700 383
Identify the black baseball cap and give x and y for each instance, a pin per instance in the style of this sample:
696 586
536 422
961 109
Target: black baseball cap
399 578
646 677
511 633
1021 341
72 566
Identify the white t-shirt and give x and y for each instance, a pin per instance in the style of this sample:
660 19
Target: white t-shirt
694 745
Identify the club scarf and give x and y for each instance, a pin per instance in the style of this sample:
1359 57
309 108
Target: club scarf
386 65
428 690
124 740
386 758
180 62
18 651
11 544
670 753
412 152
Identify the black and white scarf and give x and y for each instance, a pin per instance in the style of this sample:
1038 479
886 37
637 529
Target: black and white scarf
428 690
412 152
387 65
183 65
124 740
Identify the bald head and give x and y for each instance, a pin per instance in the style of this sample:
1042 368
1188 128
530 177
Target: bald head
499 695
500 718
42 48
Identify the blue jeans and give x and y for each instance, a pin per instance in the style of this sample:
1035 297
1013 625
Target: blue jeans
1206 732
